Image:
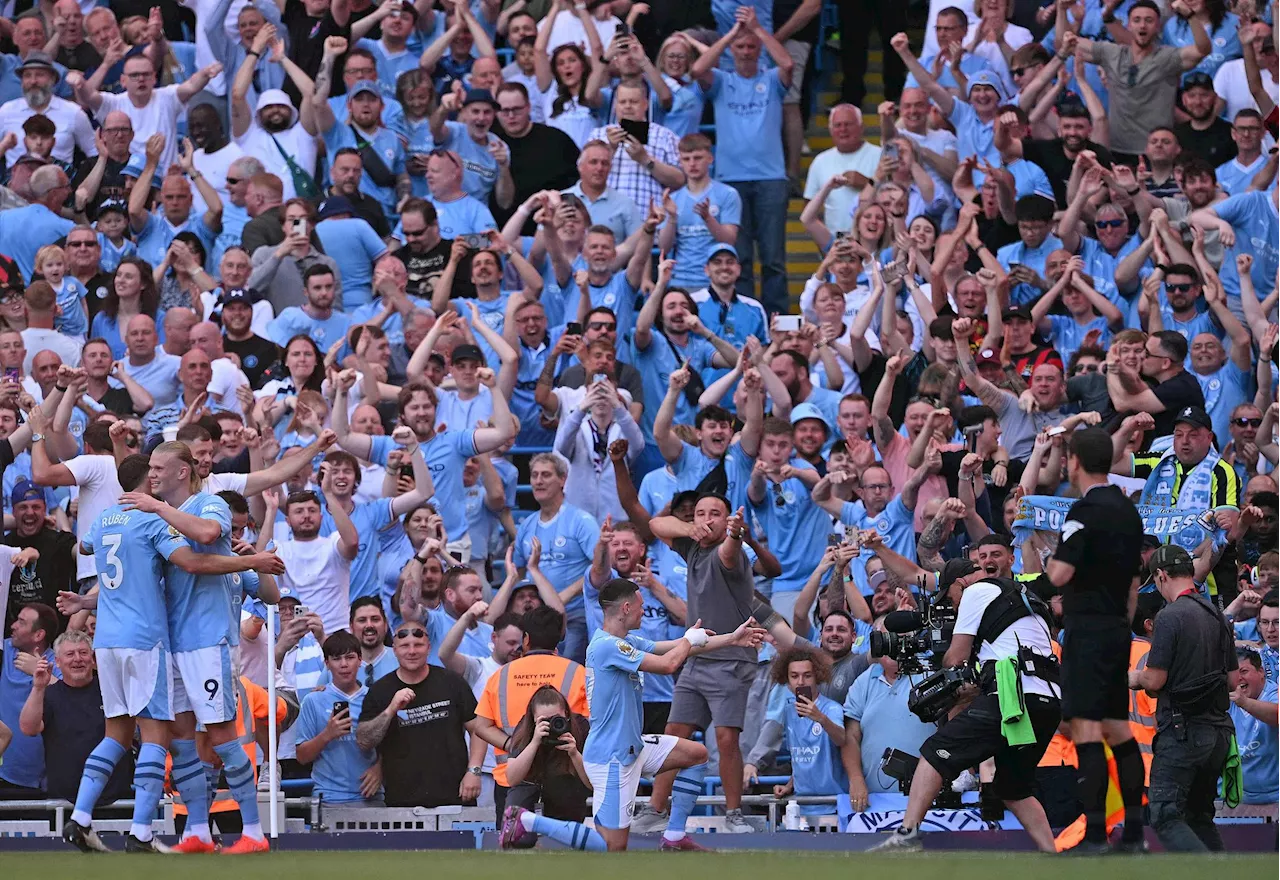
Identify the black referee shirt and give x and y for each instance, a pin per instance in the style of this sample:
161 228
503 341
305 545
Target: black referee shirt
1102 538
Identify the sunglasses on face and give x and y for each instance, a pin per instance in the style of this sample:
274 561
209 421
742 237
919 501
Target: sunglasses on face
1018 71
1245 422
601 325
80 244
446 154
1179 288
1087 368
413 233
232 181
1109 224
415 632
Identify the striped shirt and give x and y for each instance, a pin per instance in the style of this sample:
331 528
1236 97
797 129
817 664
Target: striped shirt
633 179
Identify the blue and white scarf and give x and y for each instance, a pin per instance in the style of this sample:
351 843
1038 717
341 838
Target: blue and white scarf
1046 513
1196 492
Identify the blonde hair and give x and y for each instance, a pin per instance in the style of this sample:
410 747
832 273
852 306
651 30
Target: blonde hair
183 452
47 252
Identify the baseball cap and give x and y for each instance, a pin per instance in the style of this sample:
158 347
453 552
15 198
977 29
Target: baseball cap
953 570
987 78
808 411
1198 80
25 490
876 579
1150 542
467 352
1016 312
333 206
365 86
113 205
722 248
479 96
288 592
987 357
238 295
1168 558
1194 415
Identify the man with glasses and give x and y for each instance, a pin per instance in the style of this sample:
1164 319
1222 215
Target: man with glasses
542 157
950 28
117 136
417 718
1174 389
1236 175
1241 452
39 76
84 259
1142 76
425 253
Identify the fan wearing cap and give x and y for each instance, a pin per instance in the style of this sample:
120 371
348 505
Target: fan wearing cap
1205 133
55 562
386 176
973 117
731 316
272 131
486 159
39 76
1192 654
1190 475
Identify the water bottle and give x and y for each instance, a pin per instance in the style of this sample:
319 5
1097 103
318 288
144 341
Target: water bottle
791 817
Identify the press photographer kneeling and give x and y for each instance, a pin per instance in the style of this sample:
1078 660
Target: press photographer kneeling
1014 714
546 750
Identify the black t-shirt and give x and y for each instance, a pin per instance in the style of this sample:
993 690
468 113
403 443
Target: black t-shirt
1189 642
545 158
257 355
1102 538
306 41
1178 392
424 754
82 57
55 570
98 287
424 267
1057 167
112 186
118 401
1214 144
73 727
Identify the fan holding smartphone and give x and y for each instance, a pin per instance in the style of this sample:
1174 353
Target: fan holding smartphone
636 140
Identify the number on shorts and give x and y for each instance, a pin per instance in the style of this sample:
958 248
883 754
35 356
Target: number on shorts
211 687
114 575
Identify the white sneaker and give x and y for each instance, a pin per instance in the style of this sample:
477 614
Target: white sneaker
900 841
736 823
264 775
649 821
966 781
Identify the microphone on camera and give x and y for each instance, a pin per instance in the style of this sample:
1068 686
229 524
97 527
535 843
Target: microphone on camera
903 621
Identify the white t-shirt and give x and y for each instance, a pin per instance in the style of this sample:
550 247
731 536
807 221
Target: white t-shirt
215 483
566 28
295 141
829 163
214 167
72 124
1014 35
370 488
159 116
1233 87
321 576
1027 632
479 670
222 387
99 489
37 340
204 54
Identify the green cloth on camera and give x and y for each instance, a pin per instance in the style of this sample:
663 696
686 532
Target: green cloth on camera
1232 776
1015 723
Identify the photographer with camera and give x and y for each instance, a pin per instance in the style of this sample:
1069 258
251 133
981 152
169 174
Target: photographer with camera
546 752
1005 648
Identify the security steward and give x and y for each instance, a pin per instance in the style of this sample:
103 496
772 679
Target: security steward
1192 655
1003 631
1096 565
506 697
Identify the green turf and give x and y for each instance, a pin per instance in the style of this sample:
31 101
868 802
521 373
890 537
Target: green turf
560 865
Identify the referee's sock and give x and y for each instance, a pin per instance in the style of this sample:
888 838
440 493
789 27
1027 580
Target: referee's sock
571 834
1132 772
1092 783
97 770
684 794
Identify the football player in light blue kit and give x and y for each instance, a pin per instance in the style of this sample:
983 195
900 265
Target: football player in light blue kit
203 631
617 754
131 645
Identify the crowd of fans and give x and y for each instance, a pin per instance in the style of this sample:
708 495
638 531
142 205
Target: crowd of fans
545 245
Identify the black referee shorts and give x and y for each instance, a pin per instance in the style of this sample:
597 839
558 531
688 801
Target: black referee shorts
975 735
1095 668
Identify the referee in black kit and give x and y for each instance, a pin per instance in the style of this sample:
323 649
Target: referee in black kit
1098 561
1192 656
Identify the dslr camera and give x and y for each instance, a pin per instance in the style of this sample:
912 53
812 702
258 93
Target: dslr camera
557 726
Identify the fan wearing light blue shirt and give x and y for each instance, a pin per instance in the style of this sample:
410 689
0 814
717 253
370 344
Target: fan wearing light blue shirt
387 178
341 772
353 245
814 726
154 232
1254 711
890 516
1088 310
1250 220
701 216
317 318
1247 130
1024 260
486 161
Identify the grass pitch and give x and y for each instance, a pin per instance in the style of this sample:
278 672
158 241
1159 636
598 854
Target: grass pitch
558 865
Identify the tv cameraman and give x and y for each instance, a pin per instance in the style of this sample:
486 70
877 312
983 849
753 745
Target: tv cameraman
995 626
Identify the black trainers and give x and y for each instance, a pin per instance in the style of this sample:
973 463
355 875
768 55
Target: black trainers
1087 848
84 839
134 845
1131 847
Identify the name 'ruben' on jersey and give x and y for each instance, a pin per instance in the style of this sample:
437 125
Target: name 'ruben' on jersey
202 608
615 697
129 547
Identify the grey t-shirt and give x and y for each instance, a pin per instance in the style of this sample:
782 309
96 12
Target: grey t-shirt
1142 95
1190 641
719 597
1019 429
